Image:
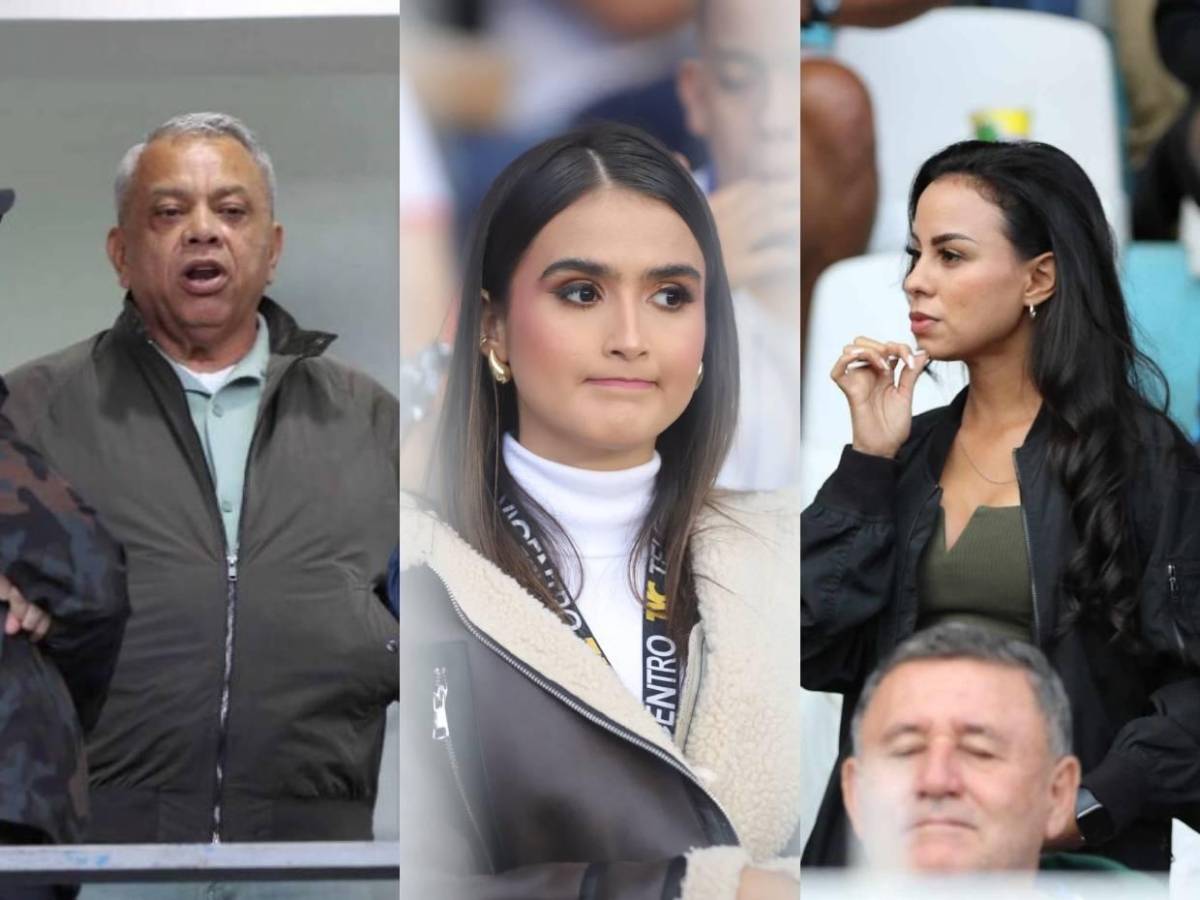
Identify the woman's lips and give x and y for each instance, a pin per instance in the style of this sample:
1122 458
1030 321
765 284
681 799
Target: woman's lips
920 323
627 384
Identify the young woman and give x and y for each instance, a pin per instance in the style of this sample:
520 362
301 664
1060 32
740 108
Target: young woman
601 660
1052 500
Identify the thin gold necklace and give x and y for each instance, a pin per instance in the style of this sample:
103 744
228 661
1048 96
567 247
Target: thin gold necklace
963 446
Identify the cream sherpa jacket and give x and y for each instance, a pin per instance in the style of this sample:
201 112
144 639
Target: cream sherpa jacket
739 730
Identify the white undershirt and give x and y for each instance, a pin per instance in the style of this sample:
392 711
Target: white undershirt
212 381
601 513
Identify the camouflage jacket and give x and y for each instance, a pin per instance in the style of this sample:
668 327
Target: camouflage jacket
59 557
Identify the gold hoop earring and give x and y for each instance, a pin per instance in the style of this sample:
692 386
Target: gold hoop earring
699 375
500 372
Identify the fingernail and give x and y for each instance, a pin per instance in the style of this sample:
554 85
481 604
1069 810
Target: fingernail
857 351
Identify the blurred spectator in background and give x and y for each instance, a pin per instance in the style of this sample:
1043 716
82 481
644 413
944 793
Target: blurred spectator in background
1155 97
1172 170
740 96
62 613
524 69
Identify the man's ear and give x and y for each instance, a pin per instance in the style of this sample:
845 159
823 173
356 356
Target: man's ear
115 245
1041 280
850 792
1064 785
276 250
692 90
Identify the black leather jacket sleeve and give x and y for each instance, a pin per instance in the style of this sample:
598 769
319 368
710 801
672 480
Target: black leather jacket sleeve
848 557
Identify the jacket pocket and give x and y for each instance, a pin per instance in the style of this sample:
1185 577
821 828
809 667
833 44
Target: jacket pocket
375 642
1181 587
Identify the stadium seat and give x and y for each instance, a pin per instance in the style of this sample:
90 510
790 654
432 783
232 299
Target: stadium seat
928 75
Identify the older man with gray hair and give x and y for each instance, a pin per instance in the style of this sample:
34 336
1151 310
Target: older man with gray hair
962 755
253 483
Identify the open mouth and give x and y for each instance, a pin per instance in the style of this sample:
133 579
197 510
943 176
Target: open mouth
204 277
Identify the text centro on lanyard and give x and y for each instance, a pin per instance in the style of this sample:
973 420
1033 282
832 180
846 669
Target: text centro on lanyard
661 672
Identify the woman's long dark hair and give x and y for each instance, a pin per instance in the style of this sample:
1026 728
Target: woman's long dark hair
469 473
1092 378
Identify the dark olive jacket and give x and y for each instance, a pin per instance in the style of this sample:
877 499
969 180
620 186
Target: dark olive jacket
1136 715
529 770
249 697
58 555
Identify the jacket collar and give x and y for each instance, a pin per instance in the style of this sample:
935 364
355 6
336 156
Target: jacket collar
287 337
1030 455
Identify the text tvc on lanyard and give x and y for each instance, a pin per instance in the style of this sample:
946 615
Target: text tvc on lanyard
660 657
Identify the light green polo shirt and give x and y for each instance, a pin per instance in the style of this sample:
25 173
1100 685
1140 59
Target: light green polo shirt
224 418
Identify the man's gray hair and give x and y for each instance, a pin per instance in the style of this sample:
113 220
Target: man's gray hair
197 124
956 640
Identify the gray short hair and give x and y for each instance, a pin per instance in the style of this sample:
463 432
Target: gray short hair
198 124
957 640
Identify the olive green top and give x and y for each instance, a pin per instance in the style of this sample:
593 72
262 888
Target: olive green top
984 579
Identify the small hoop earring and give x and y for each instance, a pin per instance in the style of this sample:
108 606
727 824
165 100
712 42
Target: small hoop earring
1032 311
500 372
699 375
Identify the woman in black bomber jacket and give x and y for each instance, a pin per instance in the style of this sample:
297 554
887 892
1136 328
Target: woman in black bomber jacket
1052 499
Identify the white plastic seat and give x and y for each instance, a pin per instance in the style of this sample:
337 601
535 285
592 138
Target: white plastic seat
928 75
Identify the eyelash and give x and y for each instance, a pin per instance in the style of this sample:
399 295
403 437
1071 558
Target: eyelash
947 256
564 293
681 295
172 212
977 753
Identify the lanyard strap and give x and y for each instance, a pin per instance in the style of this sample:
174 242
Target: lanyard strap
661 673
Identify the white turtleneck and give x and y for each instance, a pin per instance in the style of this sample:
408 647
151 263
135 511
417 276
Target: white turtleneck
601 513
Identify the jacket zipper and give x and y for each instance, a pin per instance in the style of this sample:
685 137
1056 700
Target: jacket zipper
1173 588
595 718
231 575
441 734
912 530
1037 619
231 579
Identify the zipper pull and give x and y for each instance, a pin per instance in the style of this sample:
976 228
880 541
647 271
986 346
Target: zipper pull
441 724
231 562
1171 582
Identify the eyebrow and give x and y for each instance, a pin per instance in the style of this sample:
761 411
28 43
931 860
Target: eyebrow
904 728
182 193
600 270
943 238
